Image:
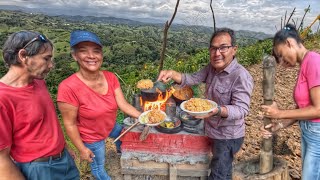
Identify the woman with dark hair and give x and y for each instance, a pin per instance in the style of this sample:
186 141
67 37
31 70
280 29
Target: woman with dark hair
32 144
88 101
289 51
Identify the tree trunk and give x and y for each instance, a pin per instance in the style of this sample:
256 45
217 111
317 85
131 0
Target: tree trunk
165 34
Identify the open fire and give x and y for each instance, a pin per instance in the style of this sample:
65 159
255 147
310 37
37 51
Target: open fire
153 152
160 103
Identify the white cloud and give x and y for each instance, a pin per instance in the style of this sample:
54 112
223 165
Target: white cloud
256 15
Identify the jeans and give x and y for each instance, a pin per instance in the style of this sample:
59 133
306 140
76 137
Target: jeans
223 151
61 168
99 150
310 154
116 131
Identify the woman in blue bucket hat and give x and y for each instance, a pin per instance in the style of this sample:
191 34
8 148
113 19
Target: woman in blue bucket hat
89 100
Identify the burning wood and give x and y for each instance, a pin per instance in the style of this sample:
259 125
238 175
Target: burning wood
159 104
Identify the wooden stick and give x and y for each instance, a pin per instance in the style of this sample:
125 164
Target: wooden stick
266 154
132 126
144 133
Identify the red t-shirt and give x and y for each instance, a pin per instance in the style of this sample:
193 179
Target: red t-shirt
28 122
309 77
97 113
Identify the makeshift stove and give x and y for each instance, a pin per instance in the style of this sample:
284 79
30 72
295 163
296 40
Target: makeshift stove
175 116
181 153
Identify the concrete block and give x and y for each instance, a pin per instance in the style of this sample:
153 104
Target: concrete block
136 167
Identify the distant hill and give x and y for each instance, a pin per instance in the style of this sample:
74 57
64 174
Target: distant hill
126 41
242 34
177 27
103 20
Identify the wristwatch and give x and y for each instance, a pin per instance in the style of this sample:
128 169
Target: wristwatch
218 114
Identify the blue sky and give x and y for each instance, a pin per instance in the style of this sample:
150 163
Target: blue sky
254 15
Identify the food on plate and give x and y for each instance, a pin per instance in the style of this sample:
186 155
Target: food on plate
183 93
145 84
144 119
198 105
153 117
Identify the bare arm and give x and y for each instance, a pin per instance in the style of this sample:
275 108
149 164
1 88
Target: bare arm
8 169
286 123
69 115
307 113
124 105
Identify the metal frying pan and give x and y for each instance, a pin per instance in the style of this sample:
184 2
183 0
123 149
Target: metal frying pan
152 94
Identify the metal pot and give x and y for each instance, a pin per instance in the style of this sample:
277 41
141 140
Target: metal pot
186 91
153 94
189 120
177 127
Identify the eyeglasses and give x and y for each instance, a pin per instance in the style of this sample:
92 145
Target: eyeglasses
40 37
222 49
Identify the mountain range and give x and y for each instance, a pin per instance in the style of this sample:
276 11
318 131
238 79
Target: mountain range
242 34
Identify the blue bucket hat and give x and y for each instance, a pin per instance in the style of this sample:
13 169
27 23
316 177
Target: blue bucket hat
79 36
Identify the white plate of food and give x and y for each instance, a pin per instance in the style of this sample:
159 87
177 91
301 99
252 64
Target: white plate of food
198 106
152 117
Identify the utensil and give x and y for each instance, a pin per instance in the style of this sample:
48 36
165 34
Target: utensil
182 93
153 93
132 126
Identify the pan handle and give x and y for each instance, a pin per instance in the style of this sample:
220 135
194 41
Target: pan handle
132 126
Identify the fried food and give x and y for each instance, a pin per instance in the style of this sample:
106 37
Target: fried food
183 93
198 105
145 84
155 116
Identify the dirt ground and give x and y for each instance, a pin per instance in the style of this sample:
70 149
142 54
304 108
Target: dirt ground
286 142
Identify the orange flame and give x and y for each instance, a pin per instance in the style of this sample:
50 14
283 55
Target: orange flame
159 104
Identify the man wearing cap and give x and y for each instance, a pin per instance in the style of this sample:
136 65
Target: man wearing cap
32 145
88 101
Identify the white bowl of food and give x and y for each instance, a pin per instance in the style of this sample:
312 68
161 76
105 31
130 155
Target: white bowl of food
198 106
152 117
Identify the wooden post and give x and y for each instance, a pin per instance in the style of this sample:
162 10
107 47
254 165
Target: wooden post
173 172
266 155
